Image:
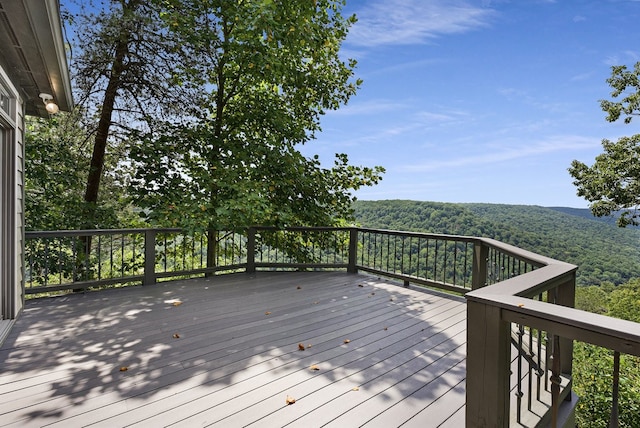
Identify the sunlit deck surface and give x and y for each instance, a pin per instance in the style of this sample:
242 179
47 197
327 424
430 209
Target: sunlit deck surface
385 355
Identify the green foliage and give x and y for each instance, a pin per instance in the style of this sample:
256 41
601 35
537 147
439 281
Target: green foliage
57 160
593 380
593 366
612 183
178 185
209 101
602 252
625 84
270 70
592 299
624 301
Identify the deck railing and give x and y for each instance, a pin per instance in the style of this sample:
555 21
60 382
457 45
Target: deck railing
520 316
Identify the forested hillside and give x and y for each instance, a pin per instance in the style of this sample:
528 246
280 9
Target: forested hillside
603 251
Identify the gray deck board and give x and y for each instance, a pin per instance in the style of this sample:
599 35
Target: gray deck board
234 364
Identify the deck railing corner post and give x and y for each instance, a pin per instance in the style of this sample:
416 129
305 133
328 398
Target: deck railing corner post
480 257
149 257
567 297
251 250
488 367
353 250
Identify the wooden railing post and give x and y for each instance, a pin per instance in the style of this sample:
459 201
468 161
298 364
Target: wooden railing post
353 250
480 256
566 297
149 257
251 250
488 367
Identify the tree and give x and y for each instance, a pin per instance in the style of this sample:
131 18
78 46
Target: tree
625 83
612 183
270 70
123 75
57 153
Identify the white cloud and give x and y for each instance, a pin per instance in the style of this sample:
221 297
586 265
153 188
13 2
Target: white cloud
368 108
499 154
395 22
411 124
580 77
514 94
628 57
442 117
404 66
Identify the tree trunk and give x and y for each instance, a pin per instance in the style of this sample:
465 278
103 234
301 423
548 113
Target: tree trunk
100 145
213 233
212 250
102 133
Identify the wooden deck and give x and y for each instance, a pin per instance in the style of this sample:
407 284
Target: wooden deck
226 352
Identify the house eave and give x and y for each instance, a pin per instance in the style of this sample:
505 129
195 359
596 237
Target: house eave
33 52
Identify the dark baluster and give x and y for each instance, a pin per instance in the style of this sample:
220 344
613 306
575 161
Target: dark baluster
418 260
410 253
531 369
466 267
613 421
46 263
122 255
519 393
185 244
455 260
539 371
555 381
60 262
444 264
426 261
375 250
388 251
399 257
110 255
435 261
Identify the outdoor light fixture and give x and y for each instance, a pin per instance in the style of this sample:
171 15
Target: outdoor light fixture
49 105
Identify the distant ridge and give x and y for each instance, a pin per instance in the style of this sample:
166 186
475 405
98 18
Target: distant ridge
586 213
602 251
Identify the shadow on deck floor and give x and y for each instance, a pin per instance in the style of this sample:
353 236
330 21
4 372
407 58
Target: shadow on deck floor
226 351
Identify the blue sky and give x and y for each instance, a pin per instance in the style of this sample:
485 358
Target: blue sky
481 101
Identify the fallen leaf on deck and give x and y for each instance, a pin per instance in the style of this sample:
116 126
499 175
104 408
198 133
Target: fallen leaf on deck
176 336
521 305
290 400
308 345
355 388
267 313
301 347
314 367
177 303
124 369
346 341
